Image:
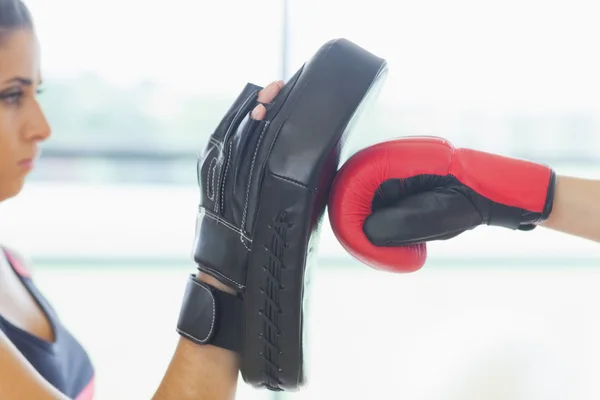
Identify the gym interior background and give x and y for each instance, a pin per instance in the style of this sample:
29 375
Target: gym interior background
133 89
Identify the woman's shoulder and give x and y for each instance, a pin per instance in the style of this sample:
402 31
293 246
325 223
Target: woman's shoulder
17 260
59 358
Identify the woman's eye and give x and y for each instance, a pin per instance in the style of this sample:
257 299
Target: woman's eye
11 98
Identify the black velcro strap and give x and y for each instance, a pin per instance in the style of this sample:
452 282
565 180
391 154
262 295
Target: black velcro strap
211 316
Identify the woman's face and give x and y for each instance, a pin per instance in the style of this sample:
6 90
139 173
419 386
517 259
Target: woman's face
22 124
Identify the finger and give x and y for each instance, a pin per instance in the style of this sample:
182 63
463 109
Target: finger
270 92
259 112
433 215
266 96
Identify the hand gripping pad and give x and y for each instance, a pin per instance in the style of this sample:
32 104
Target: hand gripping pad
264 188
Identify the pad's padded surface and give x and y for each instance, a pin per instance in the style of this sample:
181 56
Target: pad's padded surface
296 157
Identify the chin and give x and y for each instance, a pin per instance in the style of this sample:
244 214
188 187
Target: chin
11 188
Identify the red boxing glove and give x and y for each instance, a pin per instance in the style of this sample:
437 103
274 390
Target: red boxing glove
388 200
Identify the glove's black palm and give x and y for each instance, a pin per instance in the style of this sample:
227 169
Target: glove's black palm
225 176
426 208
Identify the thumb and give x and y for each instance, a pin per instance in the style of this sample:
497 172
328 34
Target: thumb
433 215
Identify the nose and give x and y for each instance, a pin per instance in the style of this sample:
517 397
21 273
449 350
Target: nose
37 128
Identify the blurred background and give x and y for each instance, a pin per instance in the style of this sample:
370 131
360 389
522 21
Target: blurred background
133 90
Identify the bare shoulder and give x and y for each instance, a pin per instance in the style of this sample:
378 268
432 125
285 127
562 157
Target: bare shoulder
20 263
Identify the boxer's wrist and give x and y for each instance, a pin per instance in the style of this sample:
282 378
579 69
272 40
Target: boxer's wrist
212 281
211 313
207 371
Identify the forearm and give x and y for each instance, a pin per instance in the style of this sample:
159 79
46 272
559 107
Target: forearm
576 208
200 372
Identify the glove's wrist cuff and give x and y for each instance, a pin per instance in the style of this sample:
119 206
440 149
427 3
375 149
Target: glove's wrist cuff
211 316
549 197
548 205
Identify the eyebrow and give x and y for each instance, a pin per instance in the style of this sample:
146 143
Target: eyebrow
22 81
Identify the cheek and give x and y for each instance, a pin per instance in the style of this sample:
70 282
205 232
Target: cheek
9 140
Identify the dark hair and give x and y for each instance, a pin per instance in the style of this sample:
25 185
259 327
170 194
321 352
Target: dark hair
13 15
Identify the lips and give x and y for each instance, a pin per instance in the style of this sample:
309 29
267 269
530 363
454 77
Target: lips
27 163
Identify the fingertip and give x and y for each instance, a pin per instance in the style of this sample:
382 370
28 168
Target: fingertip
269 92
259 112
